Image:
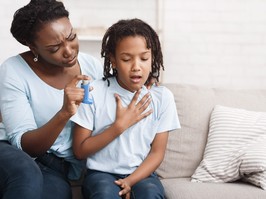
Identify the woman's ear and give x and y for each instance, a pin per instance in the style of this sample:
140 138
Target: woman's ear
34 52
33 49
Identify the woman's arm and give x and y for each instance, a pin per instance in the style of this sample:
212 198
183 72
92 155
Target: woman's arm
85 145
148 166
38 141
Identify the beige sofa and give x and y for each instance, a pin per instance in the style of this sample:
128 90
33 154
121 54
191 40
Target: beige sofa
186 146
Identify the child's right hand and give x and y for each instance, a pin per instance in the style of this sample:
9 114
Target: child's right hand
133 113
125 188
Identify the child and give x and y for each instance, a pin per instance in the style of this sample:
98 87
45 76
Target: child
124 133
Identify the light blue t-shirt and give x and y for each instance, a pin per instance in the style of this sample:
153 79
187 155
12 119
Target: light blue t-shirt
124 154
2 132
27 102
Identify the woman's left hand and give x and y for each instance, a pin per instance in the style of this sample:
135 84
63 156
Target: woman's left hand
73 95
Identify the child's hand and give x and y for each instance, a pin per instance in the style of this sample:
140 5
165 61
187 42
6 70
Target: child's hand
125 188
133 113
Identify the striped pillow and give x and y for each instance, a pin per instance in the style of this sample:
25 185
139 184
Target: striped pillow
235 148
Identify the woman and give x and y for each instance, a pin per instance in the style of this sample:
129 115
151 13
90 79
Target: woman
40 91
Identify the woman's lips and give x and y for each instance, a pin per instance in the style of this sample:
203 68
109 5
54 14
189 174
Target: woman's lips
71 61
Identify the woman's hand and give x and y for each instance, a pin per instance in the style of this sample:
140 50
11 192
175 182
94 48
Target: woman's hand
73 95
133 113
151 82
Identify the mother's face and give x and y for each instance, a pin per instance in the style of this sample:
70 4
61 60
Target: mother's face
56 43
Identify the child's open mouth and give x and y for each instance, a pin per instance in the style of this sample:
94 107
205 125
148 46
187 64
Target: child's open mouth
135 79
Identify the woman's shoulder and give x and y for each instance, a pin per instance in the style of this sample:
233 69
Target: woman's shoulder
88 59
90 65
13 64
85 56
12 60
99 84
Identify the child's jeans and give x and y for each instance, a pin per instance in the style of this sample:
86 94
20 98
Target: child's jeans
100 185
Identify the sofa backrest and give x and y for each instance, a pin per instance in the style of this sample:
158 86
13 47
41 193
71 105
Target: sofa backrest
194 106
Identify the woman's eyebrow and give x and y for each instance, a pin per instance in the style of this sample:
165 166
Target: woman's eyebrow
54 45
70 33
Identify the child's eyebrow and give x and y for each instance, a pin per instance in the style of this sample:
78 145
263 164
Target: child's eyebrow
127 53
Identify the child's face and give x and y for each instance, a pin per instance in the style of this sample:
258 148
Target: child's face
133 62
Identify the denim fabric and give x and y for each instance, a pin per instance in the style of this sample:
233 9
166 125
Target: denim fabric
20 176
55 183
100 185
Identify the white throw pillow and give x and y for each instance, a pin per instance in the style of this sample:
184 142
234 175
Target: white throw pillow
236 147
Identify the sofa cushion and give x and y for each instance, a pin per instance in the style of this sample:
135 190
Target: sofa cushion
194 105
257 178
182 188
235 148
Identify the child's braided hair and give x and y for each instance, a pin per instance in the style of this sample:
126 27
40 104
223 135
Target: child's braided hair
131 27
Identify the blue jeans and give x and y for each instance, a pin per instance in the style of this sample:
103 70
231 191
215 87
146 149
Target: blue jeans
100 185
55 182
20 176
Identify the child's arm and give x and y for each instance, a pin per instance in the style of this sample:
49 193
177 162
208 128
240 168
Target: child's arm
85 145
148 166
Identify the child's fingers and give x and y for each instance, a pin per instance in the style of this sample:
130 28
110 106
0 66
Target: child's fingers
118 101
135 98
144 102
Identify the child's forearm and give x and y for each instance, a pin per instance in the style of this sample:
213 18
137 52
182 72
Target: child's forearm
149 165
152 161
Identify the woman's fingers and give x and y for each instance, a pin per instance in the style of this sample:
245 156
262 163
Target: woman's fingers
76 79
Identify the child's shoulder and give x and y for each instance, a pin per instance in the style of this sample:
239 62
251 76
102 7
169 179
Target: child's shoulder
161 91
162 97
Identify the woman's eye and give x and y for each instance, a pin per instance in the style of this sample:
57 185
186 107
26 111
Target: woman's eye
72 37
54 50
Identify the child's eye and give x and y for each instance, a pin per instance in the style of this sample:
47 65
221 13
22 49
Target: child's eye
125 60
144 59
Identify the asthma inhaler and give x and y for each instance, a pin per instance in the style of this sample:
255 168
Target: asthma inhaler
86 86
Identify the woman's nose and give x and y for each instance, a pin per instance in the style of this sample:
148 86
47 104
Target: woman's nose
67 51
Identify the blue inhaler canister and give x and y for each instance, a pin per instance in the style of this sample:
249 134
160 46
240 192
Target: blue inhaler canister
86 86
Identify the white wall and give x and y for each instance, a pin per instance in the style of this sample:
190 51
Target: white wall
215 43
94 17
205 42
9 46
